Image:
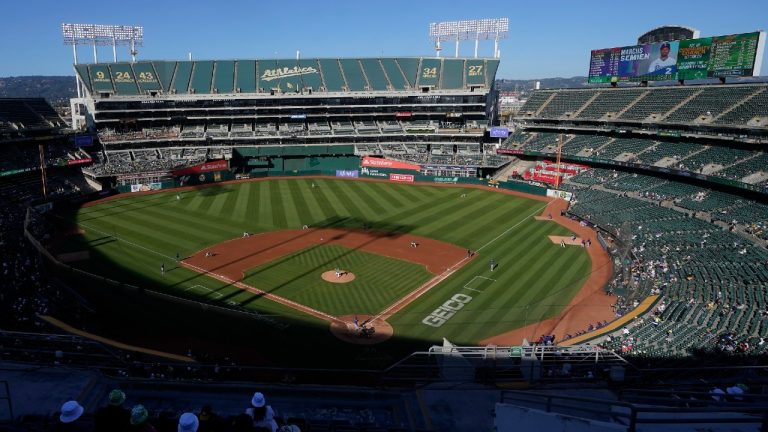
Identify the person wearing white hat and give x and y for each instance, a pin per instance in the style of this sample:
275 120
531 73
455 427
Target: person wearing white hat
70 412
188 422
262 414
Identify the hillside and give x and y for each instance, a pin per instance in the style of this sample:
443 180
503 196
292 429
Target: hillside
55 89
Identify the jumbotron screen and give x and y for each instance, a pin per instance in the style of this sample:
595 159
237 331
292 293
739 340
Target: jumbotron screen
710 57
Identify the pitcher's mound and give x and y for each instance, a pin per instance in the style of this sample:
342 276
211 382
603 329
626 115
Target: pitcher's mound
369 331
344 276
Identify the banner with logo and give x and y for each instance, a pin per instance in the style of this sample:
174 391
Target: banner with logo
218 165
386 163
554 193
444 180
144 187
347 173
401 178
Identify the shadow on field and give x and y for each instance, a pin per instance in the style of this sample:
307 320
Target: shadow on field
377 230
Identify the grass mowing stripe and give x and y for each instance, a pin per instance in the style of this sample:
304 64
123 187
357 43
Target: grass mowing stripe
368 206
217 203
230 202
480 234
316 199
240 210
325 196
456 222
367 196
391 201
276 204
309 211
265 210
292 208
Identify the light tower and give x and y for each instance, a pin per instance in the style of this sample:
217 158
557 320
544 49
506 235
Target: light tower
457 31
99 35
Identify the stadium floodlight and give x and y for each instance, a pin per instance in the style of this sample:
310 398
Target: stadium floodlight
496 28
102 35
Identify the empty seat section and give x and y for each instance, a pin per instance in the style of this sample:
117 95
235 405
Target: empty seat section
453 74
375 74
610 101
536 100
429 72
566 102
710 101
122 76
310 75
751 166
754 107
246 76
665 149
657 101
146 77
714 156
101 79
181 77
334 81
394 74
475 72
165 71
224 77
353 74
201 77
624 145
410 67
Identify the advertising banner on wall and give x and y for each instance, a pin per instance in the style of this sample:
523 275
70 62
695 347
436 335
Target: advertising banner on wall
143 187
554 193
401 178
499 132
386 163
347 173
218 165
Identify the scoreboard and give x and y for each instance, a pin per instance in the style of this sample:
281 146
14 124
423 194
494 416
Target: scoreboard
710 57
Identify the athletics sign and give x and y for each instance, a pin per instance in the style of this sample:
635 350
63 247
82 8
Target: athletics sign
347 173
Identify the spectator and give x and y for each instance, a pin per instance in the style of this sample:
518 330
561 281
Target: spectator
71 411
140 420
113 416
263 415
188 422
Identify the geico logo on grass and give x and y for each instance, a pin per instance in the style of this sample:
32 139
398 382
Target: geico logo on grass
448 309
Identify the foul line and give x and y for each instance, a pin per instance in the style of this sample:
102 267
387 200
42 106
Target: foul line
126 241
418 292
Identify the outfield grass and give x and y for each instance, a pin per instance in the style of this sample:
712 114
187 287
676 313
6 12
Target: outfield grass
297 277
535 278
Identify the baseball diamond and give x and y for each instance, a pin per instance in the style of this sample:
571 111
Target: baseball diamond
406 244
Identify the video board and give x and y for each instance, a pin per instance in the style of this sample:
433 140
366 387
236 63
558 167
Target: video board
710 57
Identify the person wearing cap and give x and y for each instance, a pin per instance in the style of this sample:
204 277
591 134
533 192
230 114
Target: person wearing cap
71 411
113 416
188 422
664 61
262 414
139 420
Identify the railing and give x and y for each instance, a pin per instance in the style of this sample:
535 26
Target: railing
633 416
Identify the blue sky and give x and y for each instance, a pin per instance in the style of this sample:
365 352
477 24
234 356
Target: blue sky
546 39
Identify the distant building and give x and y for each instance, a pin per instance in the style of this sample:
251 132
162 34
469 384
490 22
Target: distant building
668 33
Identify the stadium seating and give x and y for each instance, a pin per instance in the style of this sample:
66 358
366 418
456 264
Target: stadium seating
710 102
373 71
747 110
565 102
658 101
610 101
353 75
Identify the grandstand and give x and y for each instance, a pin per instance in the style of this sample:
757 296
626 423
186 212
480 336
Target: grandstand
367 102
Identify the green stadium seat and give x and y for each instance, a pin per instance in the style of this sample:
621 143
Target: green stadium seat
410 68
375 74
394 74
224 77
181 78
353 75
165 71
246 76
453 74
334 80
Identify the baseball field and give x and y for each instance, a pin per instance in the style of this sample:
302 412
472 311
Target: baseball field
262 246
